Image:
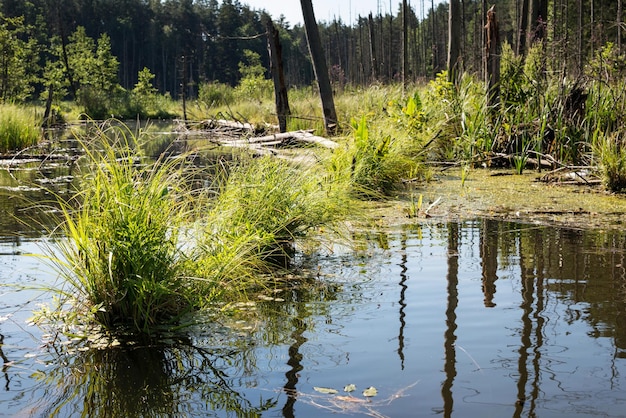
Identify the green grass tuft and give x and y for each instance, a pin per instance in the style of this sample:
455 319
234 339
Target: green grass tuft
19 128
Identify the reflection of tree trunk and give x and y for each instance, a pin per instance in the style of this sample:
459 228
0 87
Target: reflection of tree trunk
528 280
5 365
402 301
294 361
489 260
449 336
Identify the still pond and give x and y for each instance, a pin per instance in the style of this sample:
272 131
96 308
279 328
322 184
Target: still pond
477 318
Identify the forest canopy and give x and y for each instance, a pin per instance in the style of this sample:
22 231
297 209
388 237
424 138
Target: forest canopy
64 42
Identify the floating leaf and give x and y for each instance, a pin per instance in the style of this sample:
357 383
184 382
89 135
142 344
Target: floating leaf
325 390
350 388
370 391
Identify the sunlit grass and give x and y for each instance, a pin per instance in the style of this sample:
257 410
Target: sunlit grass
19 127
141 244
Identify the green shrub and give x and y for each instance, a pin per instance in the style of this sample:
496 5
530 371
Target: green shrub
215 94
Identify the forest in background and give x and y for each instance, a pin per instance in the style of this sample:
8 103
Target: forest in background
206 40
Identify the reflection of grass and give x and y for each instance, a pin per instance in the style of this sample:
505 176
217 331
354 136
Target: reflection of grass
149 379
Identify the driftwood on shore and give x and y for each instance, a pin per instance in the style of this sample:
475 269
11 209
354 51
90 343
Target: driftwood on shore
238 134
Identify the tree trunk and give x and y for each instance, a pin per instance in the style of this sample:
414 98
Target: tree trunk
434 38
580 36
538 19
275 50
405 42
373 52
454 53
492 54
522 29
319 66
619 27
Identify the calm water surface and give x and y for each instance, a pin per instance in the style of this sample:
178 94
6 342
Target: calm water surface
472 319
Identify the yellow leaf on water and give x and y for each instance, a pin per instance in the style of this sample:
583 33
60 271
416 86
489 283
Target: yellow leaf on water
370 391
325 390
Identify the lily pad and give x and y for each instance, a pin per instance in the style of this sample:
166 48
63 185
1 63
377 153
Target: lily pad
325 390
370 391
350 388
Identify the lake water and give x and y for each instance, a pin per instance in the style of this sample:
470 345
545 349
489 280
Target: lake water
473 319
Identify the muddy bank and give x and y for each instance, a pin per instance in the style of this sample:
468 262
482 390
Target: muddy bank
503 195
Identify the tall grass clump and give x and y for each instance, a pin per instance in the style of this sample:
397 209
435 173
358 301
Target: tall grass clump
374 163
19 128
140 243
121 256
262 209
611 154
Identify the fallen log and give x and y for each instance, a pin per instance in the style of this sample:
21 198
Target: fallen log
303 136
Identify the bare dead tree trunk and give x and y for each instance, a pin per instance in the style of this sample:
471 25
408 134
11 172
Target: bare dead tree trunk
373 51
580 36
275 50
434 39
319 66
619 27
454 53
522 29
492 54
405 42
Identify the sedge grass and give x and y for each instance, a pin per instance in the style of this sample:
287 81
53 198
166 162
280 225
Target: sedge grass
19 128
262 209
121 256
143 245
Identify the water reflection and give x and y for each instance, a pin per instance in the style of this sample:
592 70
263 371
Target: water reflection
451 326
491 318
180 379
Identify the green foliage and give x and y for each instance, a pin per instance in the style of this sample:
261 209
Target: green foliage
372 164
15 76
262 208
93 70
513 83
215 94
19 128
607 65
253 84
145 101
